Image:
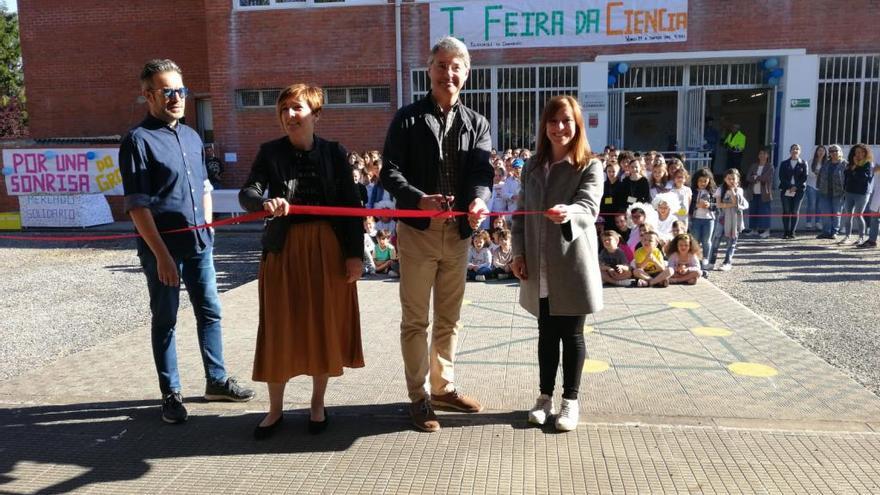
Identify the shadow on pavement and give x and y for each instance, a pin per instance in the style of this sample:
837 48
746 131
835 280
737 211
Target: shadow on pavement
114 441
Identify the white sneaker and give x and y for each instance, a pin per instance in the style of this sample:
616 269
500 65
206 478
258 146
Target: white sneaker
764 235
480 278
393 274
543 409
568 415
726 267
843 240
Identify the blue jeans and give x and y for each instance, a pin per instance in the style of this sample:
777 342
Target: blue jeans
874 229
731 248
811 195
197 272
702 229
759 207
853 207
483 270
791 205
830 205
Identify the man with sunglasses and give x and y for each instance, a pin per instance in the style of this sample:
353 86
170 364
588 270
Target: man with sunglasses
167 190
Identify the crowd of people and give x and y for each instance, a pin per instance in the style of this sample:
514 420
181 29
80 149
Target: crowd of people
652 208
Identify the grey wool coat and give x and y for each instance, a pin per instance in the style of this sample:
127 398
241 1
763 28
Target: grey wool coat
571 248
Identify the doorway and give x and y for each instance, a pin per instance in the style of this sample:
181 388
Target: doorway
650 120
750 108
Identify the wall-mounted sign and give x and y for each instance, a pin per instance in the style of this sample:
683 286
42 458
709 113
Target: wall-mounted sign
62 171
800 103
484 24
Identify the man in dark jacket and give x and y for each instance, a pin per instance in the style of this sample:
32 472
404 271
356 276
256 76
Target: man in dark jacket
436 158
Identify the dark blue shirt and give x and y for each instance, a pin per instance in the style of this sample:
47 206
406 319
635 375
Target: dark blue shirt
163 169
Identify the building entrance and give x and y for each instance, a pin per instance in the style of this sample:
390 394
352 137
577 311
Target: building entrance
748 108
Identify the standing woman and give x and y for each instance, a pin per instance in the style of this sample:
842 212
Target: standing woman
555 253
759 182
792 182
811 194
829 183
309 317
856 186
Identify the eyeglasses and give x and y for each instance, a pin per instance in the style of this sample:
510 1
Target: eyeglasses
181 92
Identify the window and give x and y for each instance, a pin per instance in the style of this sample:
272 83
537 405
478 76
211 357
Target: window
299 4
511 98
257 98
848 105
357 96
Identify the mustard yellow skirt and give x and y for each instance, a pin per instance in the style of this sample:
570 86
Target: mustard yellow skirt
309 315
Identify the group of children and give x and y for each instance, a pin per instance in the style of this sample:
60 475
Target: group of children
490 255
675 238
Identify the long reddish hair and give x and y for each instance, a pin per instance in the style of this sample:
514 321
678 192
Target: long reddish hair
579 147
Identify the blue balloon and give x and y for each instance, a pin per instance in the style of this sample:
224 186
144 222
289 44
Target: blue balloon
49 154
612 79
91 155
7 171
773 81
777 72
771 63
622 67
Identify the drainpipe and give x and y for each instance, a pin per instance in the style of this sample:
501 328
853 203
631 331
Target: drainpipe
397 49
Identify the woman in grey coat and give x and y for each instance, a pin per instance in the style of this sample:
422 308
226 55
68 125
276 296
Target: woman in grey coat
555 254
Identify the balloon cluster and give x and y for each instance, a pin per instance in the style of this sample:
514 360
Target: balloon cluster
772 71
614 70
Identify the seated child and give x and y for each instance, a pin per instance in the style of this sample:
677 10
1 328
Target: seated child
612 261
621 227
666 204
679 227
684 260
639 214
479 262
649 267
502 255
387 223
385 255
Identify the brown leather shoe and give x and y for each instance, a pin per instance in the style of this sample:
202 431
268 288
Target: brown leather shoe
423 416
456 400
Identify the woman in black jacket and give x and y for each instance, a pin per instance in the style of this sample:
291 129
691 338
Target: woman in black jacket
309 316
792 182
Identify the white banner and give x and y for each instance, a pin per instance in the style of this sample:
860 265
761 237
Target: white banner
483 24
69 210
62 171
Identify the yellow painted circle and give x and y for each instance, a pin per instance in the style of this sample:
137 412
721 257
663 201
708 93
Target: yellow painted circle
589 329
711 332
752 369
684 305
595 366
465 302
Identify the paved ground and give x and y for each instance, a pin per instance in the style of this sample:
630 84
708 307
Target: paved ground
666 409
820 293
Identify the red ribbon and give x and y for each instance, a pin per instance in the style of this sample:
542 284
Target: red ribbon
345 211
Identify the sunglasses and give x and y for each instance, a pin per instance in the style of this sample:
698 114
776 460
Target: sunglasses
181 92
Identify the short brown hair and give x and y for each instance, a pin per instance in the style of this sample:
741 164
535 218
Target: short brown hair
313 96
383 234
611 233
503 234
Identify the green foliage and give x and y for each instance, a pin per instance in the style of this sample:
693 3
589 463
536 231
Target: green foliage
13 117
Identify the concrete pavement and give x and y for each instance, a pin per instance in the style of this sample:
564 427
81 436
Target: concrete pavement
686 391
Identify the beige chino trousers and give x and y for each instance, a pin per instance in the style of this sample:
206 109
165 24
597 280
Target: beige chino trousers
435 258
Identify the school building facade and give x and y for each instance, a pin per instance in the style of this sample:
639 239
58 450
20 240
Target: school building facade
649 74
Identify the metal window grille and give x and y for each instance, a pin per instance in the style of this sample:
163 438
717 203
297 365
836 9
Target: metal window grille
848 105
511 97
651 76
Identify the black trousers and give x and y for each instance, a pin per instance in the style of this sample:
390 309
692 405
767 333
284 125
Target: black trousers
552 330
